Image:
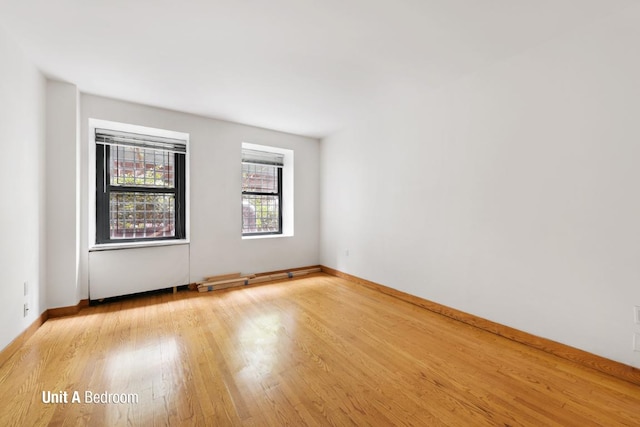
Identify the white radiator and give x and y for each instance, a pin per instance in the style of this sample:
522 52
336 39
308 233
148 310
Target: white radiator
132 270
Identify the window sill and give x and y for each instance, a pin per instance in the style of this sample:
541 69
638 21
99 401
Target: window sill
267 236
134 245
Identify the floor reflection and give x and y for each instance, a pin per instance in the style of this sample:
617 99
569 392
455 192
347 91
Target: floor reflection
261 339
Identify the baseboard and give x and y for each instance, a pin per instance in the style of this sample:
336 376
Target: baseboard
14 345
599 363
67 311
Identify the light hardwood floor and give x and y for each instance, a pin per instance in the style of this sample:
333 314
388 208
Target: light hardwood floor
315 351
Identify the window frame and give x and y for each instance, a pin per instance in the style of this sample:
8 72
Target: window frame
260 193
92 144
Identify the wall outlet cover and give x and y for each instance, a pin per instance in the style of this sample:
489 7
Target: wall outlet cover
636 314
636 341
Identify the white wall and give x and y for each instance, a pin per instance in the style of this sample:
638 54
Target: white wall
22 226
215 150
511 194
63 284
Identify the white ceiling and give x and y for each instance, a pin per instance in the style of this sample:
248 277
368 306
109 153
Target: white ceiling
299 66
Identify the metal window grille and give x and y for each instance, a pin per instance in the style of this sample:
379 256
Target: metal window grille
141 166
141 215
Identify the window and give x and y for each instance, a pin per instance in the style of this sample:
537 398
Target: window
261 192
140 187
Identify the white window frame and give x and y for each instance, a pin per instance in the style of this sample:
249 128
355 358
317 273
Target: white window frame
124 127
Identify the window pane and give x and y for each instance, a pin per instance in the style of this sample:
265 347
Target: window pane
260 214
259 178
141 166
141 215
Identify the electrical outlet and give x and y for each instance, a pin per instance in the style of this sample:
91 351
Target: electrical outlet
636 342
26 309
636 314
346 252
26 288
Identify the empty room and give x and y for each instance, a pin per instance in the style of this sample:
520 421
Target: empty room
268 213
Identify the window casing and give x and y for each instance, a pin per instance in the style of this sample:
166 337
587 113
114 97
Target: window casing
261 193
140 187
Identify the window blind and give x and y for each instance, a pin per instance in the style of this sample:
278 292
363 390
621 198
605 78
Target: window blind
262 158
128 139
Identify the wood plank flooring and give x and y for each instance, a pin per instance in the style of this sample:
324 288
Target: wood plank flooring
313 351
